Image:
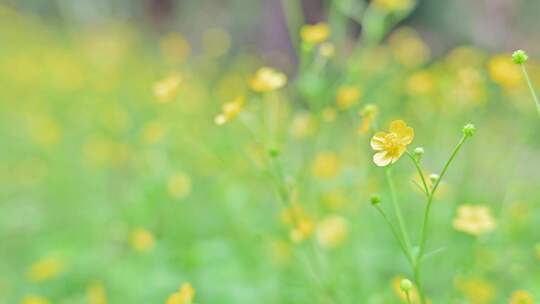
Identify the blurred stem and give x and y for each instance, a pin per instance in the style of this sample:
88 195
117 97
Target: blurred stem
292 10
397 210
420 172
396 234
425 223
408 294
531 88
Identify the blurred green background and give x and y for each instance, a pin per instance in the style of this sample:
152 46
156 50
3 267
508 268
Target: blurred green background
117 186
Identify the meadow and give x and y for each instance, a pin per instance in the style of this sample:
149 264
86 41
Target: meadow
137 168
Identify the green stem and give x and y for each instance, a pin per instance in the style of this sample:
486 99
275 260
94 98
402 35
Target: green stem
397 210
408 294
396 235
420 172
531 89
425 223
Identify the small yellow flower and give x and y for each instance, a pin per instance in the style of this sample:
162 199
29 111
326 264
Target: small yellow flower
185 295
504 72
327 49
179 185
408 48
326 166
230 110
347 96
474 220
166 89
392 5
521 297
303 229
315 33
390 146
476 290
95 294
332 231
303 125
45 269
267 79
142 240
420 83
34 300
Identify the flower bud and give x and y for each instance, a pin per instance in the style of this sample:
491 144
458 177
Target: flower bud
469 129
273 152
405 285
375 199
433 177
519 57
418 152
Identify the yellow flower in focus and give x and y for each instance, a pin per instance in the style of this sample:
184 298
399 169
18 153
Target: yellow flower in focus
230 110
390 146
45 269
95 294
368 115
476 291
153 132
521 297
325 166
408 48
185 295
142 240
179 185
393 5
34 300
332 231
474 220
315 33
166 89
347 96
504 72
420 83
267 79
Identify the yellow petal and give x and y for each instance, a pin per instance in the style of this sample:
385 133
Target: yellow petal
381 159
377 141
405 133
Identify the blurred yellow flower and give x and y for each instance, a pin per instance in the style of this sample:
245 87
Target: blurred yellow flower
142 240
408 48
368 115
267 79
475 290
153 132
392 5
34 300
45 269
166 89
390 146
185 295
174 47
326 165
420 83
327 49
179 185
474 219
504 72
303 125
315 33
347 96
521 297
95 294
332 231
230 110
302 225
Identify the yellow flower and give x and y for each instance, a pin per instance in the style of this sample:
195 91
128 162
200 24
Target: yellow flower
420 83
315 33
44 269
332 231
230 110
504 72
391 145
267 79
408 48
303 125
34 300
166 89
95 294
368 114
185 295
476 290
304 229
142 240
392 5
179 185
521 297
347 96
326 165
474 220
327 49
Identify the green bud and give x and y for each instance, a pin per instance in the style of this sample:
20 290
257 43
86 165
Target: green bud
405 285
469 129
433 177
418 152
375 199
273 152
519 57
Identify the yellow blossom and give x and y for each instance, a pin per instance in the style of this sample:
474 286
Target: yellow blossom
267 79
390 146
327 49
34 300
185 295
179 185
315 33
230 110
95 294
474 220
347 96
504 72
142 240
475 290
326 165
332 231
45 269
521 297
368 115
408 48
303 125
393 5
420 83
166 89
303 229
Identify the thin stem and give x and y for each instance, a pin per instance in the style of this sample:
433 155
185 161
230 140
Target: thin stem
396 235
397 210
420 172
531 89
408 294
